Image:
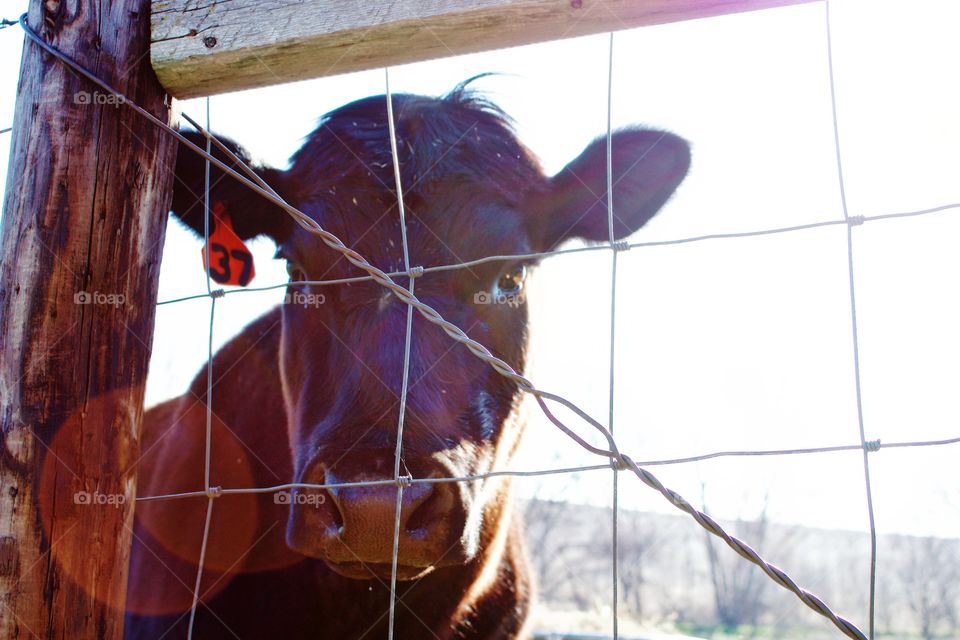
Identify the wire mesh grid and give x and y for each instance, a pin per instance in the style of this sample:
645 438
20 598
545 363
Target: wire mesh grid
617 461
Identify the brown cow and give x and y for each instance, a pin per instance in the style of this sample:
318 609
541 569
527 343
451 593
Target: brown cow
309 392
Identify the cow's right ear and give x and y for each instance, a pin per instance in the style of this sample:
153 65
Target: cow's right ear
250 214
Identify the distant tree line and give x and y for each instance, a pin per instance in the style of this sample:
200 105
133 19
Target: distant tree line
672 575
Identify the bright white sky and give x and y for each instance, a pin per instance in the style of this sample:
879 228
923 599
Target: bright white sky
724 344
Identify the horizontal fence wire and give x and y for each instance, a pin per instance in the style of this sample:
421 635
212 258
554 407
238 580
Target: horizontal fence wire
418 271
872 446
619 460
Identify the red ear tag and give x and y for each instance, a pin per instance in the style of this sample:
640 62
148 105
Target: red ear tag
232 262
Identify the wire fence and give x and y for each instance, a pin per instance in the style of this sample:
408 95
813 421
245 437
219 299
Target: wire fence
616 460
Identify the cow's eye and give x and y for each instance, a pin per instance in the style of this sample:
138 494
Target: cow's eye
512 280
296 273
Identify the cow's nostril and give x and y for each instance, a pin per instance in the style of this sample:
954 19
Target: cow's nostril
430 510
336 513
319 506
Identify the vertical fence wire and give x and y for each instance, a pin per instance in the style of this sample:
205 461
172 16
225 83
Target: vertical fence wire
209 408
615 509
851 222
406 357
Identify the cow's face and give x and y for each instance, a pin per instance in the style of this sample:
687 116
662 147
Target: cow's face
471 190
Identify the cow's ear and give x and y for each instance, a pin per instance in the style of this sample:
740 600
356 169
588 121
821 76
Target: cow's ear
250 214
647 168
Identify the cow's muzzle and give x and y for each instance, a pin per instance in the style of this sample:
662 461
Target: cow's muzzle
353 527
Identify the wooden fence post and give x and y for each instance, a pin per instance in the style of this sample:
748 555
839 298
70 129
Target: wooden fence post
82 233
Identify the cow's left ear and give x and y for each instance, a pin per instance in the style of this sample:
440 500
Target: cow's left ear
648 166
250 214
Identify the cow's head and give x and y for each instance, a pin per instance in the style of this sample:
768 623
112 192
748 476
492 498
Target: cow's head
471 190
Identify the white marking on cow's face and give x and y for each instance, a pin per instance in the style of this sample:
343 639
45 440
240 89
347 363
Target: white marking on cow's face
483 406
384 301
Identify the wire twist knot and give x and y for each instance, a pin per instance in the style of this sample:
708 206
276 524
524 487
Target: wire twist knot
872 446
856 221
217 293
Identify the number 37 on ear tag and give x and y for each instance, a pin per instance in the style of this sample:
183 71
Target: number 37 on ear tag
232 262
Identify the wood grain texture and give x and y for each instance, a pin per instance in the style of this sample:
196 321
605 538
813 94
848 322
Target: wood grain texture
86 204
204 47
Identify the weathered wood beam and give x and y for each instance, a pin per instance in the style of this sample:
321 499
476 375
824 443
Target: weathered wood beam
204 47
86 205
